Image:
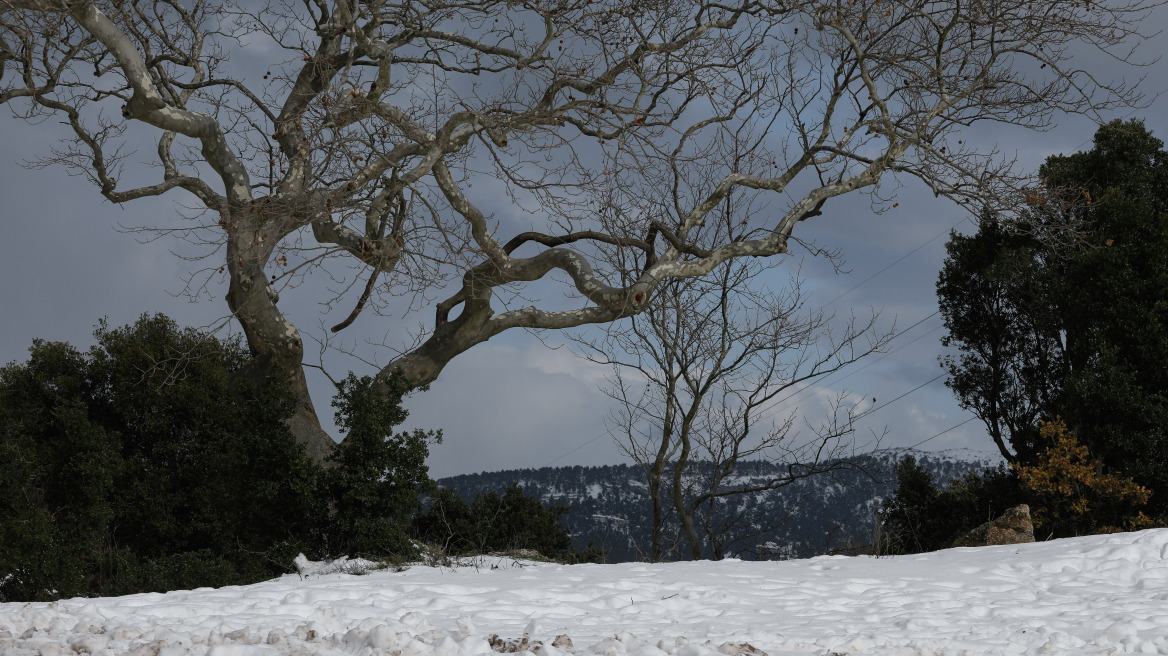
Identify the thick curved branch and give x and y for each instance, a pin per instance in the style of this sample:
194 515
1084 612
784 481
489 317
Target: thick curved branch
382 254
563 240
147 104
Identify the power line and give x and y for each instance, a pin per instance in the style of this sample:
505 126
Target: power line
901 347
870 363
604 434
861 416
898 260
942 432
829 377
810 383
888 403
885 355
801 390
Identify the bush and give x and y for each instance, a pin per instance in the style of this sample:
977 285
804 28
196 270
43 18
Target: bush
375 477
1073 493
57 477
1069 492
209 464
493 523
150 463
919 516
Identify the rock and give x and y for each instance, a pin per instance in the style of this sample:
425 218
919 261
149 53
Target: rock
1013 527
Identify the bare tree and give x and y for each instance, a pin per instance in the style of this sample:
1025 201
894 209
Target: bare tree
346 135
698 375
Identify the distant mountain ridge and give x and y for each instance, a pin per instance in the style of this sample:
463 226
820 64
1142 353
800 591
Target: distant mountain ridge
608 505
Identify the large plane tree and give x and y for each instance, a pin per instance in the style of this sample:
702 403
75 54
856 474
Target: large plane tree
471 155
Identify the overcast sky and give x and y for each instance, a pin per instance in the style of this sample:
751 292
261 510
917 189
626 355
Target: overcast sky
516 401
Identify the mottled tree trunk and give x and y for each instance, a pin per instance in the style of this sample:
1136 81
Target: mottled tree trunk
275 344
283 359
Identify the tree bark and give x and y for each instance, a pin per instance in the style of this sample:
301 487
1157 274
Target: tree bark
276 349
684 511
656 472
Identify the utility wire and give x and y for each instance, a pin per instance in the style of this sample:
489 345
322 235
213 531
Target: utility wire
829 377
888 403
942 432
604 434
865 414
897 261
901 347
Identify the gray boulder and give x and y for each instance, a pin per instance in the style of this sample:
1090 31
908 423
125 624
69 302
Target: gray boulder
1013 527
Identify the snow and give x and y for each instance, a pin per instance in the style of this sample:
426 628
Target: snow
1092 595
958 455
344 565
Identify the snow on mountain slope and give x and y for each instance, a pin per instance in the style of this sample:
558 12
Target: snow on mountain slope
1093 595
608 506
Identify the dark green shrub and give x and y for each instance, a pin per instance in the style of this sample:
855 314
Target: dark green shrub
494 523
375 476
919 516
212 480
150 463
57 477
449 525
181 571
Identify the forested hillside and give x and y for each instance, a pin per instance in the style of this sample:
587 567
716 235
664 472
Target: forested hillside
608 505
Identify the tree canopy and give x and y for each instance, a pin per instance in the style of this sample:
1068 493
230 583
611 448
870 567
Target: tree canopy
1049 326
452 155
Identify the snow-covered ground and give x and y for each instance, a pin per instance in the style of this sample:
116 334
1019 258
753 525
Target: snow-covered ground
1094 595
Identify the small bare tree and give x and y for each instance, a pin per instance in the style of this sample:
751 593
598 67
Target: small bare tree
697 375
346 136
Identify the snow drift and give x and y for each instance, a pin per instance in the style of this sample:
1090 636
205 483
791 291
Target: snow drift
1093 595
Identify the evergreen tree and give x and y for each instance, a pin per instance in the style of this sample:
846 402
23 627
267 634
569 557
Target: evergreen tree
57 473
518 521
1009 366
1114 302
908 515
1046 325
